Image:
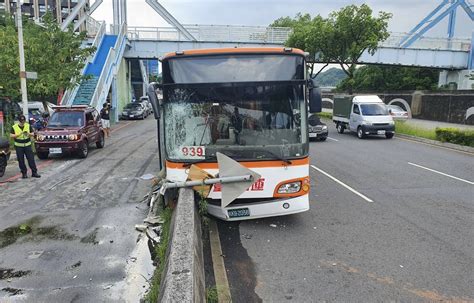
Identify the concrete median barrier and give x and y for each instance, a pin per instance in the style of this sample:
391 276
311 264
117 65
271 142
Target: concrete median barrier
183 278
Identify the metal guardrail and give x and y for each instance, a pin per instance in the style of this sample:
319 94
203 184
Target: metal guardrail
225 33
69 95
106 76
94 27
144 72
438 43
274 35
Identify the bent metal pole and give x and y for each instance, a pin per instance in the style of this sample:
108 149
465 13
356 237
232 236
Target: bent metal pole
222 180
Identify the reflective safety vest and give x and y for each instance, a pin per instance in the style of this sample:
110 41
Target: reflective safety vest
23 139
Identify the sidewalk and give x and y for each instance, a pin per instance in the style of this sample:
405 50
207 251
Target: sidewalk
428 124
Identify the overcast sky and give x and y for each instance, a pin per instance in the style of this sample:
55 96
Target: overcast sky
406 13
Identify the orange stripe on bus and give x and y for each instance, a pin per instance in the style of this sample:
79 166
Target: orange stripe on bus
211 51
260 164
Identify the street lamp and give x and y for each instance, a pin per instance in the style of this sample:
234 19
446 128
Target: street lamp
24 93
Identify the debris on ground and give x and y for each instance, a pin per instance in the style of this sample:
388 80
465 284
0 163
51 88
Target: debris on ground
35 254
8 273
247 236
156 220
12 291
77 264
140 227
273 225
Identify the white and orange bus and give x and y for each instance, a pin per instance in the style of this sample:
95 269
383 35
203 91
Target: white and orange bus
249 104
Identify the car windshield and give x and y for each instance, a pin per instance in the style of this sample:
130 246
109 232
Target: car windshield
374 109
395 108
259 121
66 118
133 106
34 112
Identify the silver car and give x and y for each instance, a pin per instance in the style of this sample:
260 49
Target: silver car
397 112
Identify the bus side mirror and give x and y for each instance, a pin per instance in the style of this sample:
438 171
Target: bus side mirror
151 92
315 99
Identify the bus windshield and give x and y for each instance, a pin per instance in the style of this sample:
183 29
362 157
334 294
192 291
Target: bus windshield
246 122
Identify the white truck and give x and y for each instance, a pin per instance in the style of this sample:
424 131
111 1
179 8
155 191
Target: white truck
365 115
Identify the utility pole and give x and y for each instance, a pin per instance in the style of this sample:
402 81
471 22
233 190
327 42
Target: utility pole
21 50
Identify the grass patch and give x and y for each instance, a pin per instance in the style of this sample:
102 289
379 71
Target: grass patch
211 295
402 127
325 115
160 258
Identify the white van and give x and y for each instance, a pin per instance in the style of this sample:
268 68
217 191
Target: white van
365 115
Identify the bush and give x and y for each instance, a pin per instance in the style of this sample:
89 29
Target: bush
456 136
325 115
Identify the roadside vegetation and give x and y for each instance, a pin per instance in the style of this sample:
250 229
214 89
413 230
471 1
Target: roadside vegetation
456 136
342 37
325 115
160 256
449 135
402 127
211 295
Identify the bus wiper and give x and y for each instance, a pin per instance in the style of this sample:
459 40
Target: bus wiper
276 156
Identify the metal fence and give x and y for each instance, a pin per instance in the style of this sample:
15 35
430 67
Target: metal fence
213 33
457 44
273 35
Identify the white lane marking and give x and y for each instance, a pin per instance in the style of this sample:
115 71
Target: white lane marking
343 184
438 172
333 139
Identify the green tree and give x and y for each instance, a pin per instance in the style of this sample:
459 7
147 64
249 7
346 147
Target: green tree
341 38
57 56
391 78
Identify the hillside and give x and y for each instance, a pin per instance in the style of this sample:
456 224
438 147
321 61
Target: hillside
330 77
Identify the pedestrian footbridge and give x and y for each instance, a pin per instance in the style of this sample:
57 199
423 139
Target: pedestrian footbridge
117 67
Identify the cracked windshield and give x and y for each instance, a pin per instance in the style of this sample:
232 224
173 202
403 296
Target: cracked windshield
249 122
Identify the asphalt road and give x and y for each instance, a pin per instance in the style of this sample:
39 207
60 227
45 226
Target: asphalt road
79 243
413 243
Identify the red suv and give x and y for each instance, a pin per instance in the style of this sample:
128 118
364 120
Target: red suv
70 130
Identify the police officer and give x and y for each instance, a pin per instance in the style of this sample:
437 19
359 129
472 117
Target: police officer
21 133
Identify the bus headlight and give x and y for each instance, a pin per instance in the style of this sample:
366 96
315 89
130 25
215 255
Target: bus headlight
290 188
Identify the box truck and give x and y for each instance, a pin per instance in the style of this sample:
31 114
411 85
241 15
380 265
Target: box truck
364 115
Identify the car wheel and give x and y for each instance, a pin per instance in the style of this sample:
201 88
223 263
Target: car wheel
42 155
389 135
360 133
101 142
83 150
340 128
323 138
143 117
3 164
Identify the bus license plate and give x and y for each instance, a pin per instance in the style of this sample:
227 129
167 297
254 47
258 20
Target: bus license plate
239 212
55 150
380 132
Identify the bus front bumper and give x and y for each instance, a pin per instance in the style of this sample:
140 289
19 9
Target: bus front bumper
247 211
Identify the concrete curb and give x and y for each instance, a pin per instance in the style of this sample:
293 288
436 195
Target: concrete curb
183 279
466 149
